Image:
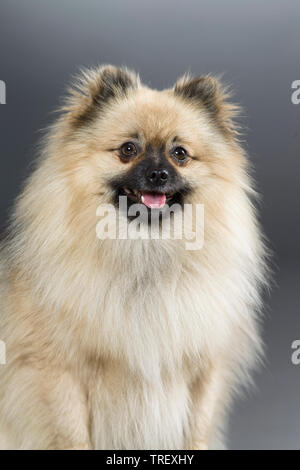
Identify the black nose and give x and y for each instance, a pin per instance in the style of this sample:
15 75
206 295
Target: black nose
158 177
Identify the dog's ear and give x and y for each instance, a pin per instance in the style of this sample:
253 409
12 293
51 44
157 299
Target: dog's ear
94 88
207 93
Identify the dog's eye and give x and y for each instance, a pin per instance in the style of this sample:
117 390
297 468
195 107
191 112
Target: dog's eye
180 154
128 150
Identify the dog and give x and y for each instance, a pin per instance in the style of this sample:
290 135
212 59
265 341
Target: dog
131 343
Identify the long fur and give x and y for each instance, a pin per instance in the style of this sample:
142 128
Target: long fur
128 344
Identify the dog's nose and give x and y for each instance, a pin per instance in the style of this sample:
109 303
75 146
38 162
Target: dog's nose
158 177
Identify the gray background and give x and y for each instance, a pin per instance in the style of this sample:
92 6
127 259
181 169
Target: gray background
256 45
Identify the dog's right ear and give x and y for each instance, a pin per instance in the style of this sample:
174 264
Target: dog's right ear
93 89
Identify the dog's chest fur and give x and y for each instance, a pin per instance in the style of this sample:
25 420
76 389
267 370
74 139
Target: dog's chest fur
127 411
156 322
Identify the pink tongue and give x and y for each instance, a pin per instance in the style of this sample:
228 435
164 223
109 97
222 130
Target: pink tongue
154 200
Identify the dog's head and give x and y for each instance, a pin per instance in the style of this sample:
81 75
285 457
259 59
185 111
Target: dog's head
153 147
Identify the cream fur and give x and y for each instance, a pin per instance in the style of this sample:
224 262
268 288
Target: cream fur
127 344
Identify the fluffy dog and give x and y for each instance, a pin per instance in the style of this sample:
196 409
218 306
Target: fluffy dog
130 343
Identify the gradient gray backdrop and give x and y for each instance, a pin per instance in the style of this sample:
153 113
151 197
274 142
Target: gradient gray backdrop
257 45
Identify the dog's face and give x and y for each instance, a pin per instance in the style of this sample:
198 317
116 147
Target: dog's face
153 147
153 177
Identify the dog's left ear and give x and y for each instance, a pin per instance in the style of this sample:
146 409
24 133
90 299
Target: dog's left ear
207 93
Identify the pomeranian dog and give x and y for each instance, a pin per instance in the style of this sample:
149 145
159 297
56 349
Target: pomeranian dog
121 343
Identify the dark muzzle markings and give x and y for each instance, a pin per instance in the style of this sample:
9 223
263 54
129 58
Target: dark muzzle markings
152 181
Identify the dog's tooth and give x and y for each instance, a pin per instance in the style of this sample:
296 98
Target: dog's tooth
142 199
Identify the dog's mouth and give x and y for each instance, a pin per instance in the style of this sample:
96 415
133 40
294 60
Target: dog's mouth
151 199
